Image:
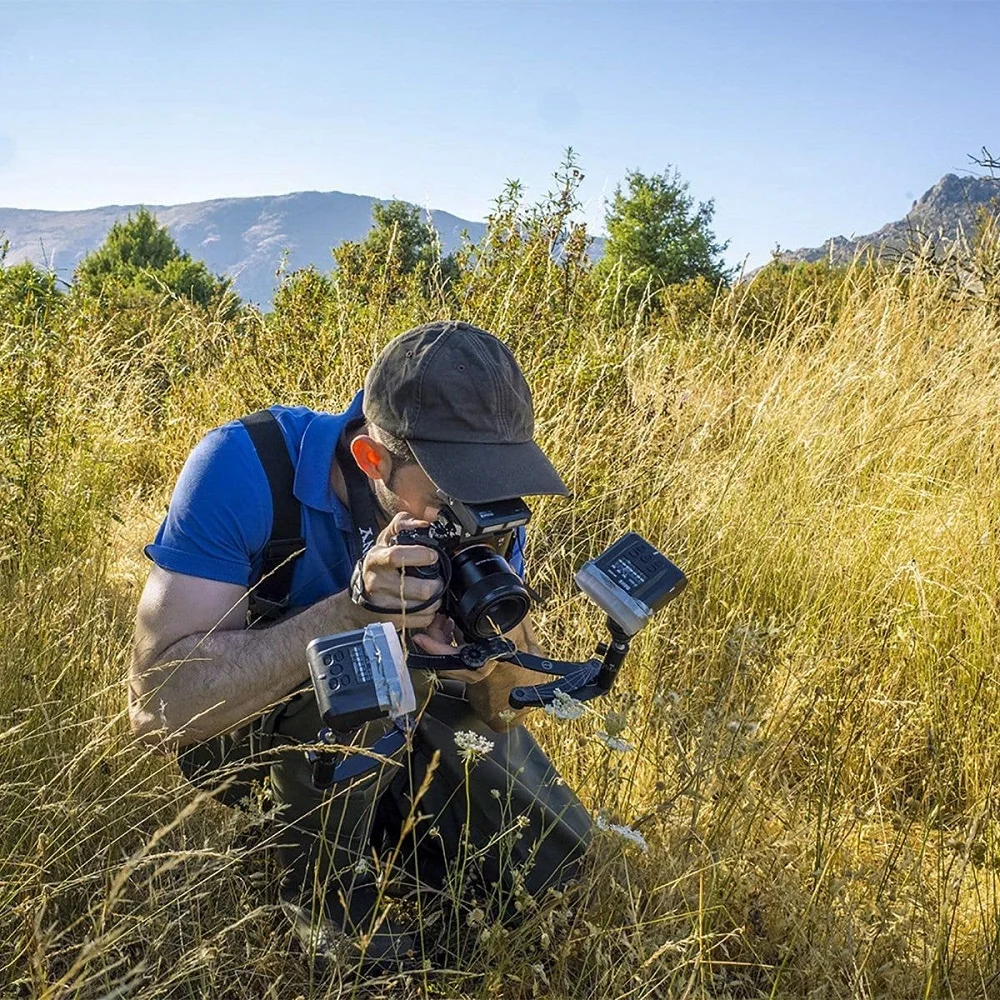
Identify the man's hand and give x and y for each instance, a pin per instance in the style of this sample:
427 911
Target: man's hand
387 586
439 638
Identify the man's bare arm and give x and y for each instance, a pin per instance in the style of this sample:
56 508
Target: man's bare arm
196 672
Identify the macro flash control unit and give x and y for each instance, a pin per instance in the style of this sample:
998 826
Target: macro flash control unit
630 581
478 519
360 676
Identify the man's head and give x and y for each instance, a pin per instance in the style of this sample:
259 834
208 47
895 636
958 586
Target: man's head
448 409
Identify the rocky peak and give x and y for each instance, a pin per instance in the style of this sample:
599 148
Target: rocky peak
944 213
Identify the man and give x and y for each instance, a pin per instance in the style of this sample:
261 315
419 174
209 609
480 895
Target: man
445 412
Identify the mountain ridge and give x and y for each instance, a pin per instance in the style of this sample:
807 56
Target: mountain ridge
247 238
946 212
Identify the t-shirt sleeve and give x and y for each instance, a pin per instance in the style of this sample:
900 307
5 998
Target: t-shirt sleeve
219 517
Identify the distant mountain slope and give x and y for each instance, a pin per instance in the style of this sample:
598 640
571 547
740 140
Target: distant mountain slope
944 213
242 237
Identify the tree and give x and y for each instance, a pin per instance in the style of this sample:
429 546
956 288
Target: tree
399 248
141 255
28 296
658 237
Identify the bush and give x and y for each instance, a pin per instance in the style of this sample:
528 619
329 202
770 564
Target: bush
783 293
139 258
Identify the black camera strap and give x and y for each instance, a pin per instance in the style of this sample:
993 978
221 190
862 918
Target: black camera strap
364 513
269 597
360 499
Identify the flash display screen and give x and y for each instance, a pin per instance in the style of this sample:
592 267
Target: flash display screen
625 575
630 581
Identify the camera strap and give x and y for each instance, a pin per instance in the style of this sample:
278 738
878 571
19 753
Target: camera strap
364 514
360 499
270 595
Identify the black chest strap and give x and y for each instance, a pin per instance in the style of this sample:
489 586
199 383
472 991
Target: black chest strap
269 599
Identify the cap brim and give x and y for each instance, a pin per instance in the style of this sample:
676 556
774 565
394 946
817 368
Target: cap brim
480 473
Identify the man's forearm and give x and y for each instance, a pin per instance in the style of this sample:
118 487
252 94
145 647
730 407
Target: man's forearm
211 683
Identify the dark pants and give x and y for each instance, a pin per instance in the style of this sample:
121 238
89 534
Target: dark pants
506 814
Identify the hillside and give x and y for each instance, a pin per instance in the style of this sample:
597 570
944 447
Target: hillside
242 237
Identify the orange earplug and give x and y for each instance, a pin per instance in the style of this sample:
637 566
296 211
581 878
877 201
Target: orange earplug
365 455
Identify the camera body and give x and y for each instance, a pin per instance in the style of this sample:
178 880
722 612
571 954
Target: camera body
480 591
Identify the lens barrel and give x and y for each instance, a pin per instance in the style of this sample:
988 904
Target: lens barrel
485 596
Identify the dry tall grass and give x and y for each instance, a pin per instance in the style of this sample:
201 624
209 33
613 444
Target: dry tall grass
814 723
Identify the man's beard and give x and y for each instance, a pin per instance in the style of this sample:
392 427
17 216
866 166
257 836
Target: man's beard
386 499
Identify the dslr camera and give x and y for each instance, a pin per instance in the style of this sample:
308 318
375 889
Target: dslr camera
479 590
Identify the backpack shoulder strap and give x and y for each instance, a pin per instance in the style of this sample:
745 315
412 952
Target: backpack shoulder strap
269 598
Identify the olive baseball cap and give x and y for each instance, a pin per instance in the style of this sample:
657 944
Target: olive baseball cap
456 395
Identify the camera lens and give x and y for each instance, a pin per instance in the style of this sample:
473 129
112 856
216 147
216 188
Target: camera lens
486 597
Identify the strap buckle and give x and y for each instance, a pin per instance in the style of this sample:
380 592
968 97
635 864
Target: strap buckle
279 550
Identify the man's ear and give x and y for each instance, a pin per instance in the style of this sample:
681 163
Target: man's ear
372 458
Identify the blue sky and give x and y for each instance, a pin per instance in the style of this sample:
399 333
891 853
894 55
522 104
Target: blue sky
802 120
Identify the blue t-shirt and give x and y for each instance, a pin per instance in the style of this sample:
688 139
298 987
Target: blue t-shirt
220 514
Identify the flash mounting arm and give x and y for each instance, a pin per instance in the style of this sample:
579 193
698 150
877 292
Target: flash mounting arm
630 581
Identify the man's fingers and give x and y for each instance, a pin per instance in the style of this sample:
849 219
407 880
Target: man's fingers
420 620
401 522
422 590
436 647
413 591
403 519
399 556
443 628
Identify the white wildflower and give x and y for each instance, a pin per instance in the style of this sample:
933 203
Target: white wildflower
565 706
362 866
614 743
507 715
495 792
625 832
472 745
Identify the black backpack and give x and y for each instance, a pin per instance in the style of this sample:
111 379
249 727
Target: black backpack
232 764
